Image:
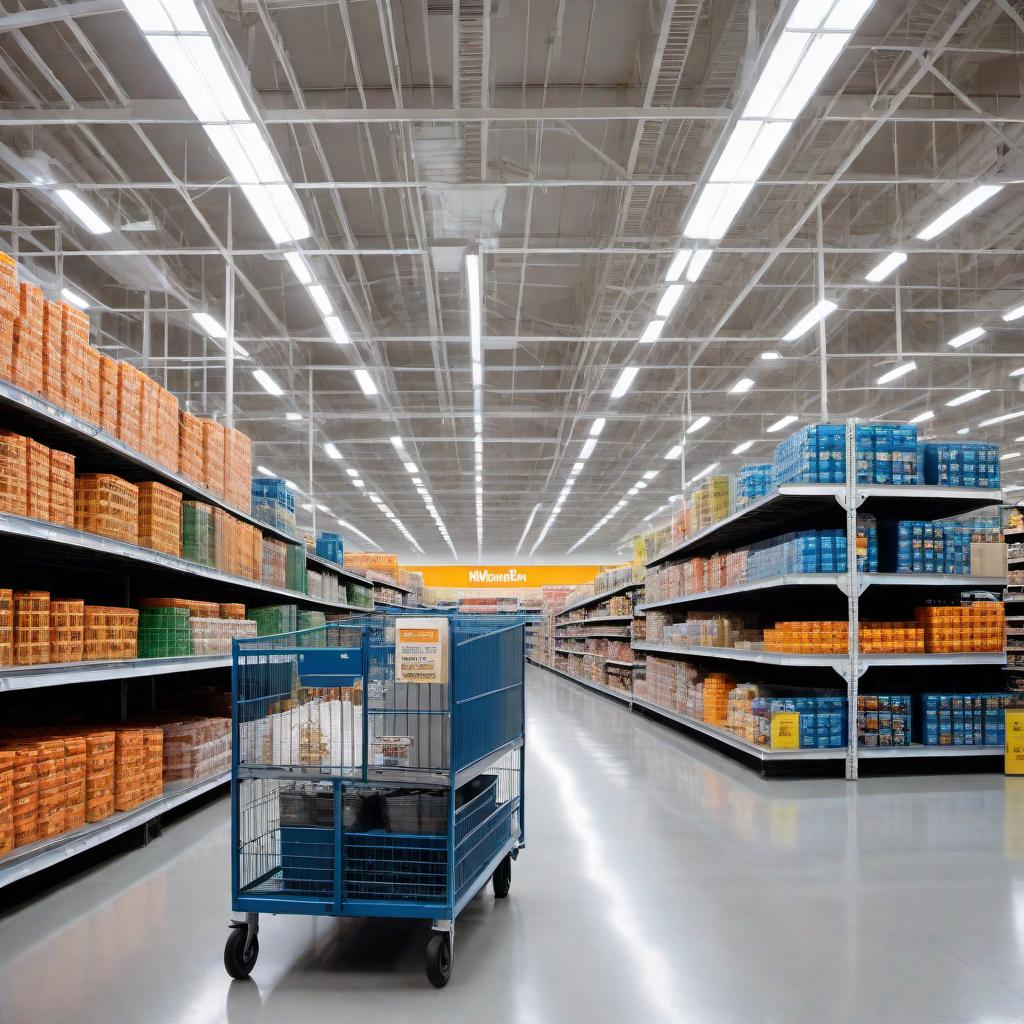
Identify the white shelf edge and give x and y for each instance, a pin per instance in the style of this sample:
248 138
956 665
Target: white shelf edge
30 677
27 860
623 698
598 598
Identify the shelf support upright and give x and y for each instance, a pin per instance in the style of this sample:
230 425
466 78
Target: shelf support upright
229 330
309 445
822 361
852 602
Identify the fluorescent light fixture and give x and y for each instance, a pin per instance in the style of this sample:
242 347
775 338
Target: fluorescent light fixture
1001 419
969 396
473 291
678 265
652 332
478 373
818 312
704 472
417 482
293 417
642 484
698 424
597 426
278 210
83 212
209 326
922 417
291 486
742 386
410 467
781 424
1018 372
268 383
1008 456
265 471
674 452
697 264
478 424
352 472
668 301
743 446
633 490
897 371
882 270
397 443
588 448
365 382
319 295
324 509
651 474
337 330
966 338
577 468
1013 314
958 211
331 450
195 67
625 381
770 357
75 299
153 16
300 268
967 430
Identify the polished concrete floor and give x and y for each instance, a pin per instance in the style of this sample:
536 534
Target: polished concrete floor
661 882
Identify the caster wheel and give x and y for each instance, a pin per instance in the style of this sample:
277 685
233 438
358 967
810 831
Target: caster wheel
439 960
502 878
237 962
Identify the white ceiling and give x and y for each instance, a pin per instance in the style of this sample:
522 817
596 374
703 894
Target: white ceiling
567 145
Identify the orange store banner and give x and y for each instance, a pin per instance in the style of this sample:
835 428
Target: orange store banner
461 577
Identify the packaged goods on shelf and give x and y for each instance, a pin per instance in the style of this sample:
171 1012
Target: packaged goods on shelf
67 630
107 505
13 474
232 611
883 721
8 286
886 453
129 766
312 620
165 633
368 560
6 623
273 619
978 627
214 442
31 627
814 454
332 547
238 469
6 801
965 719
807 638
753 482
37 479
956 464
190 448
197 533
195 748
274 571
108 394
28 340
74 342
53 364
90 405
890 638
152 763
295 568
50 778
129 405
62 488
212 636
100 758
314 584
358 595
159 518
714 629
24 791
168 422
110 633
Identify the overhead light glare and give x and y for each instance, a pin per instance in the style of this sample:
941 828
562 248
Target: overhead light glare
781 424
625 381
743 446
969 396
883 269
331 450
210 326
698 262
742 386
410 467
669 299
818 312
83 212
958 211
678 265
597 426
365 382
966 338
337 330
588 448
1001 419
699 423
770 357
268 383
922 417
75 299
674 452
1013 314
897 371
300 268
652 332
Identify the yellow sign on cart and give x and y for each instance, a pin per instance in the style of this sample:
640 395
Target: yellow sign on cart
1014 759
786 730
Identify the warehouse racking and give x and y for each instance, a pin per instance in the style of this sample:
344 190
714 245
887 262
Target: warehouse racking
40 553
1013 534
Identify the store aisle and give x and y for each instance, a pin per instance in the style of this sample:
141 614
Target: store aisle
661 882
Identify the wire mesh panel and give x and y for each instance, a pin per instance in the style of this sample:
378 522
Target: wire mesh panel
487 819
410 869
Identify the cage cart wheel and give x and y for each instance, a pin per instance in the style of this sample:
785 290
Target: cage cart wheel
502 878
439 960
237 962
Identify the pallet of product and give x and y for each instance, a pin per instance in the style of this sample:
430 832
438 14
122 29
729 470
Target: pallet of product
62 488
100 758
111 634
196 748
13 474
197 537
28 340
238 470
53 355
165 633
67 630
37 480
212 636
168 425
107 505
129 405
6 627
109 376
214 441
190 448
129 768
31 627
159 518
74 342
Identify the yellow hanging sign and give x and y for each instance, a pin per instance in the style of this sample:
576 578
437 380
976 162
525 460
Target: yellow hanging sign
1014 754
786 730
462 577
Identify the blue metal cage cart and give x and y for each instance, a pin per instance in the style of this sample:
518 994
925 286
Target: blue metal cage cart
357 795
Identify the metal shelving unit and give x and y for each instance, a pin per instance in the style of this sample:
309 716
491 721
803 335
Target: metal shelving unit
27 860
598 598
31 677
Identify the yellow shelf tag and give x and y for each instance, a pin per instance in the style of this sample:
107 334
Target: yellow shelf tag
786 730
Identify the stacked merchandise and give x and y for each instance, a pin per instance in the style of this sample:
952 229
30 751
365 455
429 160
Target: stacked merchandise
274 619
190 448
100 761
815 454
478 605
413 582
358 596
6 622
238 469
214 446
808 638
715 629
883 721
36 481
75 768
62 488
886 453
159 518
331 546
978 627
955 464
28 340
312 621
272 503
213 635
129 405
923 546
196 748
31 627
197 536
111 634
67 630
152 763
129 766
295 568
957 719
165 633
753 483
108 394
107 505
275 563
367 561
711 502
890 638
237 547
325 586
183 627
9 302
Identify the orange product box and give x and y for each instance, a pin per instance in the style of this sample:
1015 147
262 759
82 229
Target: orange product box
238 470
7 627
129 405
129 765
53 353
153 763
108 394
50 776
75 760
111 634
107 505
62 488
67 630
159 518
74 342
37 477
13 474
100 753
28 341
31 627
92 397
169 426
190 448
6 347
24 790
10 298
214 436
6 801
149 410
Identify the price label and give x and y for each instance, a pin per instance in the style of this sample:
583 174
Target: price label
1014 754
786 730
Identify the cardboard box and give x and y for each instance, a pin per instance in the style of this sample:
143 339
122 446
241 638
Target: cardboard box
988 559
